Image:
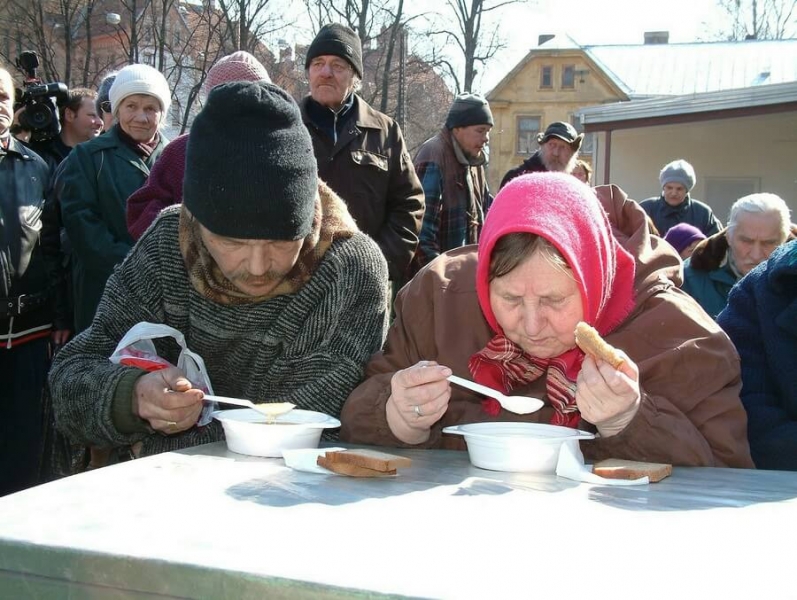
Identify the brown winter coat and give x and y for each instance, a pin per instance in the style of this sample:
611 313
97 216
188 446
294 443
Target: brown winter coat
690 412
371 169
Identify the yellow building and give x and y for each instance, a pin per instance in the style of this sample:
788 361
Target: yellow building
558 79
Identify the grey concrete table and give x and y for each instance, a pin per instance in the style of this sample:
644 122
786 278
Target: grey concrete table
207 523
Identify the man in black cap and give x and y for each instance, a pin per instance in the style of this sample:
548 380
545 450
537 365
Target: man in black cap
261 269
558 151
451 167
361 152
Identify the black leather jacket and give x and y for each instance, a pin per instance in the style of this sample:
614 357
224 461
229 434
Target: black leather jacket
26 245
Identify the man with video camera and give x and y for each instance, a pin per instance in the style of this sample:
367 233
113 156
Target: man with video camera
26 313
79 122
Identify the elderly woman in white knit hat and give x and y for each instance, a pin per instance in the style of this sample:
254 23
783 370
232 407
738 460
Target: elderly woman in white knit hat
98 176
675 205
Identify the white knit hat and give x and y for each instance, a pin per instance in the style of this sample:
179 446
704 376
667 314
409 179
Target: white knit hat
140 79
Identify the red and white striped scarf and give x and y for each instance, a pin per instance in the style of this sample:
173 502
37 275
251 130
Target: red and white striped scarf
503 365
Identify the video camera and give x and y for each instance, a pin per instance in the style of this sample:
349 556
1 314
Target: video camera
40 101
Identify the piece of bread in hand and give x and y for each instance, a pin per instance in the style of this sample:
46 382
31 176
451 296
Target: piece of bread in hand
591 342
618 468
351 470
368 459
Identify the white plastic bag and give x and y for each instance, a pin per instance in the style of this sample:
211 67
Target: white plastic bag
136 349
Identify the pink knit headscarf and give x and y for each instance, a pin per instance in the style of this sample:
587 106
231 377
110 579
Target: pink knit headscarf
567 213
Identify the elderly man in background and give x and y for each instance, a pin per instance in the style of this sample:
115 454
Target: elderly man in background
558 151
360 151
675 205
261 268
26 313
451 166
758 224
164 186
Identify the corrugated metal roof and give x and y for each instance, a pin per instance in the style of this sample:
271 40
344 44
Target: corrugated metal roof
762 95
678 69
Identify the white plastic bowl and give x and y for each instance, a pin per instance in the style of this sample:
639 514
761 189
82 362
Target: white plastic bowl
516 447
247 432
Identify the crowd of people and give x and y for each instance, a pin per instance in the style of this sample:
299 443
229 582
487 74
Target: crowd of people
305 256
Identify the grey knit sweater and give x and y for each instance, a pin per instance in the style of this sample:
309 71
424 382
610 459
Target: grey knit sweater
309 348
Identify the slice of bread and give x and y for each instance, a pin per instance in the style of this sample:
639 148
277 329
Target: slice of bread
369 459
351 470
617 468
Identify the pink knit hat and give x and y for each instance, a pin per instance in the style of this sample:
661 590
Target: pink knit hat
238 66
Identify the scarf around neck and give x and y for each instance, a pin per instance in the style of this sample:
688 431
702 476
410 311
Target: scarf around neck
143 149
568 214
331 222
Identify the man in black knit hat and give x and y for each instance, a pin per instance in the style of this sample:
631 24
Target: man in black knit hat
261 268
361 152
451 166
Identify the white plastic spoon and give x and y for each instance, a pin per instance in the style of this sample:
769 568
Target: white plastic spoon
521 405
270 409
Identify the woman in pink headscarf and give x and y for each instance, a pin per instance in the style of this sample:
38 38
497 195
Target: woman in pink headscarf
552 254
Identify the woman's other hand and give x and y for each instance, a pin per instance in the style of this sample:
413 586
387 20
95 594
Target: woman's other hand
608 397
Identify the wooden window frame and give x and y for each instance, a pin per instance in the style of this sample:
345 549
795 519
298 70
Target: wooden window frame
549 70
532 144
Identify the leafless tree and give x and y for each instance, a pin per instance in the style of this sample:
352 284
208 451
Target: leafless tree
249 22
477 40
760 19
30 25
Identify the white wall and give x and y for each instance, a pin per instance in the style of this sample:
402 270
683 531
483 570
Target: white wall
761 148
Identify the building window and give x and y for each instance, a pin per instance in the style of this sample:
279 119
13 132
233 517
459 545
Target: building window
568 77
588 144
527 130
546 77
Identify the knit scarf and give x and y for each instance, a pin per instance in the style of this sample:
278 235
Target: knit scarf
475 212
143 149
331 222
569 215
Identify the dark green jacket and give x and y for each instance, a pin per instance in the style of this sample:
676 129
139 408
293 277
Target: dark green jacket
94 183
709 288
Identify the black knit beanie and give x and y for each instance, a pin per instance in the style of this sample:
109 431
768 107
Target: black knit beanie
469 109
337 40
250 171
